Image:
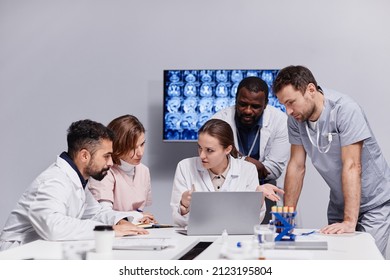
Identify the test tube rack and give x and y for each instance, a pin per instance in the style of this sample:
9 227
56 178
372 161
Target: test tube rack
284 224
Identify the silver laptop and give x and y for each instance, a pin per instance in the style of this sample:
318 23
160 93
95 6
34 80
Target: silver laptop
213 212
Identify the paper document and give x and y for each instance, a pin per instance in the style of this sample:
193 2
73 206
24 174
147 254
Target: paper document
142 243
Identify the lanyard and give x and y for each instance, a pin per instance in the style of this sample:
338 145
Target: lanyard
253 143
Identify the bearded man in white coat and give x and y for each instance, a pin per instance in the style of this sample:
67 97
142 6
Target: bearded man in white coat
58 205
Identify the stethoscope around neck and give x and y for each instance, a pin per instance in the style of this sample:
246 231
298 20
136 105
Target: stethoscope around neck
329 136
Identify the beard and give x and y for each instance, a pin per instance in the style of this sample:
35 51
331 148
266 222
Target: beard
97 174
100 175
307 115
248 120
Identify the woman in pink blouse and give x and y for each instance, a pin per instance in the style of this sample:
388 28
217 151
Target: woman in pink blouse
126 187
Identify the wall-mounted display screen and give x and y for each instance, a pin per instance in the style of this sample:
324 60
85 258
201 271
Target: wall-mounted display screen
191 97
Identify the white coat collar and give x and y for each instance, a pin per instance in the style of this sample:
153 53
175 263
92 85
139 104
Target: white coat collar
69 171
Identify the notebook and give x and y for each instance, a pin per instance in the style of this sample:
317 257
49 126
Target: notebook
213 212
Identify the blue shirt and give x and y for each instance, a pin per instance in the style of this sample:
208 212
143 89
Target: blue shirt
246 136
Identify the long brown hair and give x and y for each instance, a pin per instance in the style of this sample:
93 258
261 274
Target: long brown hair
127 129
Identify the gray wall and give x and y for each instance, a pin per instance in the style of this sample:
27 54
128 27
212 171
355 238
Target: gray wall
62 61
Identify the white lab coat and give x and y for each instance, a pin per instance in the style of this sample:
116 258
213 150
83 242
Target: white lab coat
56 207
242 176
274 146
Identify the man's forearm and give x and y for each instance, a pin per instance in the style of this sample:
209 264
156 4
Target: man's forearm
351 181
293 185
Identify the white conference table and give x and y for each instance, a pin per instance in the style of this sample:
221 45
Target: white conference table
54 250
352 246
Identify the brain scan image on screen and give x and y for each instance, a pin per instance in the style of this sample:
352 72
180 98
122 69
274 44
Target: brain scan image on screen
172 120
172 134
206 75
189 120
190 88
206 90
174 76
233 90
203 117
173 104
267 77
221 75
191 135
236 76
222 90
206 105
190 104
174 89
221 103
191 97
252 73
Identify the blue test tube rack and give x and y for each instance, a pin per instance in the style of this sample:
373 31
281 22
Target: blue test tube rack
284 224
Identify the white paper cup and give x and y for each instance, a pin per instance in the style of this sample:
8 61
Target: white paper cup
104 239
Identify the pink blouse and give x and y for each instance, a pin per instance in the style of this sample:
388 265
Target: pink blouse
127 193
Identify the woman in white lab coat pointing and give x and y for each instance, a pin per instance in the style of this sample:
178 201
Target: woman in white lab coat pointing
217 168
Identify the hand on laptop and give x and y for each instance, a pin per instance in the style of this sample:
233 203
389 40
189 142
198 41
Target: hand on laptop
270 191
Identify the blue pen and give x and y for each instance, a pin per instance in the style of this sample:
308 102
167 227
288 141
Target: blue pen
308 233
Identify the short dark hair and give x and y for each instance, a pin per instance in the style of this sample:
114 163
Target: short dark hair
253 84
222 131
86 134
297 76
